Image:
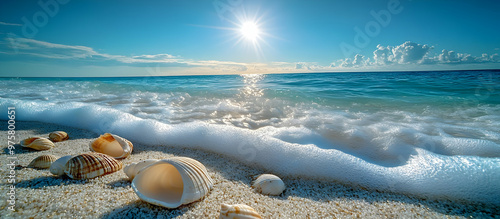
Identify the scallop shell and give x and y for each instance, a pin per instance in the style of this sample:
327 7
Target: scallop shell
172 182
240 211
91 165
57 167
58 136
42 162
132 169
268 184
37 143
112 145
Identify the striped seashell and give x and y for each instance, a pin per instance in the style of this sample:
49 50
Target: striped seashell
57 167
132 169
112 145
37 143
268 184
237 211
91 165
172 182
58 136
42 162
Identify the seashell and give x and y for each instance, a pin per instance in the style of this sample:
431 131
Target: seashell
37 143
112 145
42 162
57 167
268 184
58 136
132 169
172 182
91 165
240 211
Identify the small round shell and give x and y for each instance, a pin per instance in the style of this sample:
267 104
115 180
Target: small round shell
132 169
37 143
58 136
240 211
91 165
268 184
172 182
57 167
112 145
42 162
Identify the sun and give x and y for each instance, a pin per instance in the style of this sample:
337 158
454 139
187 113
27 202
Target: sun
250 31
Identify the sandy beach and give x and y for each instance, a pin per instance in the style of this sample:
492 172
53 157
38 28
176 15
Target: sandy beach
40 194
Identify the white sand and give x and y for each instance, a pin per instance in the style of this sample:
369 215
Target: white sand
40 194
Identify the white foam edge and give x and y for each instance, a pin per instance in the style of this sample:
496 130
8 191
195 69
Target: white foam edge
425 175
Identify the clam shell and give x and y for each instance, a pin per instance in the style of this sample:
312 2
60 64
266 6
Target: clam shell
37 143
172 182
91 165
112 145
57 167
237 211
42 162
268 184
132 169
58 136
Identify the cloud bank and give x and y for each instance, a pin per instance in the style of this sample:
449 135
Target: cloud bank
30 47
409 56
410 53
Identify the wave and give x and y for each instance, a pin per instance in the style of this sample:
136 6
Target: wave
297 151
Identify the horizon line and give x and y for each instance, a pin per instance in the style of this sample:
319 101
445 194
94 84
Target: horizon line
150 76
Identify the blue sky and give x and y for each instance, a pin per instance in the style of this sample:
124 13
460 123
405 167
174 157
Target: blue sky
136 38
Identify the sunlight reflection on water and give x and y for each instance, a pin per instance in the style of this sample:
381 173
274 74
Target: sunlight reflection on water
251 88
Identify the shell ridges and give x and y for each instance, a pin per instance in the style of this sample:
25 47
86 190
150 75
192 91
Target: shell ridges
37 143
42 161
240 211
112 145
91 165
172 182
58 136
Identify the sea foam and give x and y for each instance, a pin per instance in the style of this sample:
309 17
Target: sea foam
301 152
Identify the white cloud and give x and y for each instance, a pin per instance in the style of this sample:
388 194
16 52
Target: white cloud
451 57
302 67
50 50
9 24
359 61
405 53
410 53
25 46
299 66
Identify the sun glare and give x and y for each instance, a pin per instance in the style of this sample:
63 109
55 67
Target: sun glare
250 31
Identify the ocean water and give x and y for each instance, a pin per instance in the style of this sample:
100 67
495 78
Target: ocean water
428 134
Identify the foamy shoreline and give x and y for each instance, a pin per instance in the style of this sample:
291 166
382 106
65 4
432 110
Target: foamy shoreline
40 194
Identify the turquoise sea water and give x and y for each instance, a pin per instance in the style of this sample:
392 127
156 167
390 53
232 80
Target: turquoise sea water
429 134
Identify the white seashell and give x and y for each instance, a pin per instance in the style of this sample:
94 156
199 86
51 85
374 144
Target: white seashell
172 182
37 143
42 162
132 169
58 136
112 145
268 184
91 165
237 211
57 167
